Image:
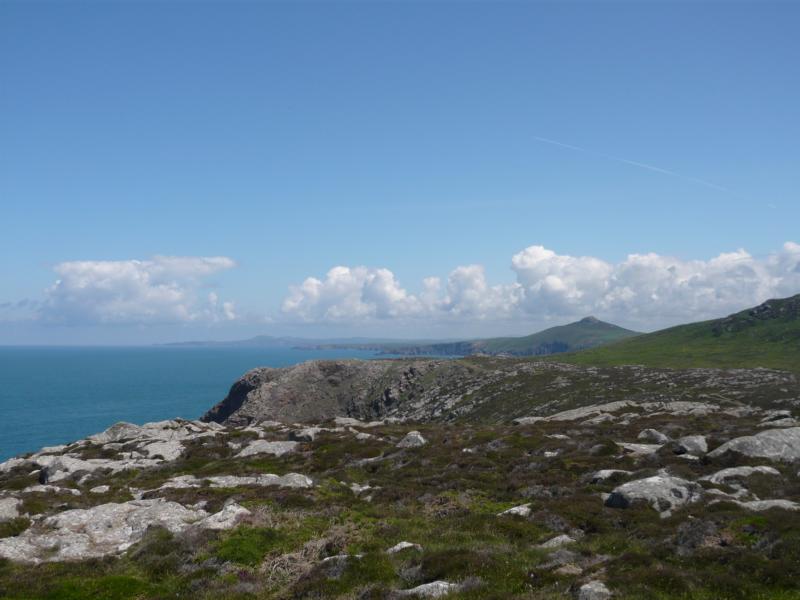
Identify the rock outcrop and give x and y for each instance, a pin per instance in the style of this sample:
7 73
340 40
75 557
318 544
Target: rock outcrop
663 492
108 529
508 389
773 444
318 390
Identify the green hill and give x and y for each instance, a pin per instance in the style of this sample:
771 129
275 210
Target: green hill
765 336
586 333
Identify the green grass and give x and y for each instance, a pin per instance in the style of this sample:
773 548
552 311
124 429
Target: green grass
248 545
740 341
447 501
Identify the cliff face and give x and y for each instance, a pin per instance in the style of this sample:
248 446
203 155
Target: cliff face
319 390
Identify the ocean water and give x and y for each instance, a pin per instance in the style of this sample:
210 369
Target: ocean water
54 395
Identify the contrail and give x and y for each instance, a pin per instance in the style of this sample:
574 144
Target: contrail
632 163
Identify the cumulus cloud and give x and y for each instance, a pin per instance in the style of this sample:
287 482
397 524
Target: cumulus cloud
646 290
164 289
349 293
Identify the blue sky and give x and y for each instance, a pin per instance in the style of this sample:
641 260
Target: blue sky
286 139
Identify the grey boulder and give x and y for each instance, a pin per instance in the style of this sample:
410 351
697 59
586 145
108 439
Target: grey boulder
413 439
594 590
663 492
773 444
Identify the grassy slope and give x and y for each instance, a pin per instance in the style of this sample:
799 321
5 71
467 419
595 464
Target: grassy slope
741 340
585 333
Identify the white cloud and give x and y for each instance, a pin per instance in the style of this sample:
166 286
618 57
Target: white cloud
644 290
351 293
164 289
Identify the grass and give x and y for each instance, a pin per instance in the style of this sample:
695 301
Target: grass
740 341
447 501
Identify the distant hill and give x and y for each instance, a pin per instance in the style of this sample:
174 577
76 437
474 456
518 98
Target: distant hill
765 336
586 333
268 341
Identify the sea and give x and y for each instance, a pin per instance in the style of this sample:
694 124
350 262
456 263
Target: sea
56 395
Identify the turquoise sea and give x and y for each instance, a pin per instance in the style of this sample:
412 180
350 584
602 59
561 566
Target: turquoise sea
52 395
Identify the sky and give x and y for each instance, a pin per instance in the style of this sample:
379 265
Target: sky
215 170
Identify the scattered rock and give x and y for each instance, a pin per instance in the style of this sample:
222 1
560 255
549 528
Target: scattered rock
413 439
50 489
594 590
738 472
102 530
639 449
290 480
400 546
357 488
227 518
568 570
653 436
265 447
348 422
760 505
308 434
99 489
663 492
523 510
692 444
559 558
435 589
167 450
603 417
773 444
9 508
557 542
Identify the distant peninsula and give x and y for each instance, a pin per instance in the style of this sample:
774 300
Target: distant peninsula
580 335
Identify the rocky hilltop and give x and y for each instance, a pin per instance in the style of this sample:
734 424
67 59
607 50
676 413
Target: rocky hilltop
319 390
477 478
485 389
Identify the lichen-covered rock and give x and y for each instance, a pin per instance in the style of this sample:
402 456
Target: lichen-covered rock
413 439
594 590
639 449
760 505
400 546
523 510
692 444
105 529
435 589
9 508
290 480
663 492
773 444
738 473
557 542
227 518
265 447
652 436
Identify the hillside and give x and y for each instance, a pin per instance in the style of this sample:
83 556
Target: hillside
474 389
586 333
620 482
765 336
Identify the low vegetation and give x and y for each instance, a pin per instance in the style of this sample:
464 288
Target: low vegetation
444 496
